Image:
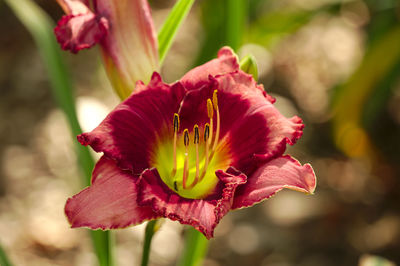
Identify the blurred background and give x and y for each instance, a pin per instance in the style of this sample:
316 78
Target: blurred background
335 63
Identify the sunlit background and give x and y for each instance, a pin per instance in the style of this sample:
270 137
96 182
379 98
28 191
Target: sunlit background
334 63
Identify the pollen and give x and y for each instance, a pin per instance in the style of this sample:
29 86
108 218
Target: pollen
210 111
215 99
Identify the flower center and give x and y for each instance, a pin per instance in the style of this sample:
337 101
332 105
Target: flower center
188 162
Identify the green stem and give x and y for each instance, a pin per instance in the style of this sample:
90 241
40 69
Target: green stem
195 248
40 25
151 228
4 261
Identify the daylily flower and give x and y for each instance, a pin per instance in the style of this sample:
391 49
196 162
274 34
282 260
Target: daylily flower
191 151
123 28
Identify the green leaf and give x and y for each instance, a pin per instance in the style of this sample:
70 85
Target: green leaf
40 26
171 25
195 248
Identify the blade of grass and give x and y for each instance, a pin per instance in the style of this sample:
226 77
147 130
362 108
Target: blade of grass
41 27
171 25
4 261
195 248
235 22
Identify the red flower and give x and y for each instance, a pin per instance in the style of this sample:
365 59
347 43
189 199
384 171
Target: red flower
123 28
191 151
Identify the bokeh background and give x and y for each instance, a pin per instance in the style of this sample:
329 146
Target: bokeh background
335 63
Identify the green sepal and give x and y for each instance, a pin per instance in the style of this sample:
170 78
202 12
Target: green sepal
249 65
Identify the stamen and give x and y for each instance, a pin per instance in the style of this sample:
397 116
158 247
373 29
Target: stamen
206 137
175 186
176 129
186 164
215 103
196 143
210 113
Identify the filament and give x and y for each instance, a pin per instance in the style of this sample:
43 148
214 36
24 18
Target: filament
176 129
186 163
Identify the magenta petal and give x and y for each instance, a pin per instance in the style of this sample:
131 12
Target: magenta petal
129 133
77 32
130 51
279 173
110 202
225 63
256 129
202 214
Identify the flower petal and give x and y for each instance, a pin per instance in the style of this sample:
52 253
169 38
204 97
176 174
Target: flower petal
225 63
110 202
130 131
74 7
202 214
130 50
254 127
279 173
81 31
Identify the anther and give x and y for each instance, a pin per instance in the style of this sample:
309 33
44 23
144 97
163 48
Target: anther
206 132
196 134
176 122
175 186
215 99
186 137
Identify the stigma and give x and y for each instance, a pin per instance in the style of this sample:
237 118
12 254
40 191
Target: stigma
204 137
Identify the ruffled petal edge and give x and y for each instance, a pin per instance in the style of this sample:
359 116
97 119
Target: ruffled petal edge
226 62
202 214
272 177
